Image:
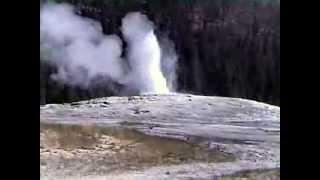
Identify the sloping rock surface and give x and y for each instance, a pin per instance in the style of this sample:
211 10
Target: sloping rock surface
176 136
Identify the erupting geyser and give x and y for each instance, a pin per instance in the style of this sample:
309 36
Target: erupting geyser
81 52
143 55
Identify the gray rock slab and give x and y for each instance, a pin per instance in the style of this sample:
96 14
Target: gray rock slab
247 129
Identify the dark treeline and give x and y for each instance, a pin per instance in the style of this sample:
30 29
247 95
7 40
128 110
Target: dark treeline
225 47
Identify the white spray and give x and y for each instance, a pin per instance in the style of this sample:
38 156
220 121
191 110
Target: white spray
143 55
81 52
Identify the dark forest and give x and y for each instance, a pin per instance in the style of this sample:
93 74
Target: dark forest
225 47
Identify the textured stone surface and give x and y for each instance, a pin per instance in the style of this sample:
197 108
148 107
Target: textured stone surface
175 136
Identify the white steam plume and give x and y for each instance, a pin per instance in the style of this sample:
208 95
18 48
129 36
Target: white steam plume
77 46
143 55
169 59
81 52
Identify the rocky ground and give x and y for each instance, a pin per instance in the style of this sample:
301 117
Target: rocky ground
174 136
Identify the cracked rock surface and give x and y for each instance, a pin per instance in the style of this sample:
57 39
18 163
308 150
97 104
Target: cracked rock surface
176 136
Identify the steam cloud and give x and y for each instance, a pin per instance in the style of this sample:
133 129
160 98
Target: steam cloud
81 52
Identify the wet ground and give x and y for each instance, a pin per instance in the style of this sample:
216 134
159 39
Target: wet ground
160 137
116 149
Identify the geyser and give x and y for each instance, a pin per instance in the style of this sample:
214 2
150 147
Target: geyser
143 55
81 52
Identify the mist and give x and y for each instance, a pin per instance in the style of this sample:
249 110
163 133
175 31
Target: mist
80 51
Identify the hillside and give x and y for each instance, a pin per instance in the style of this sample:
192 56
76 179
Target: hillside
175 136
